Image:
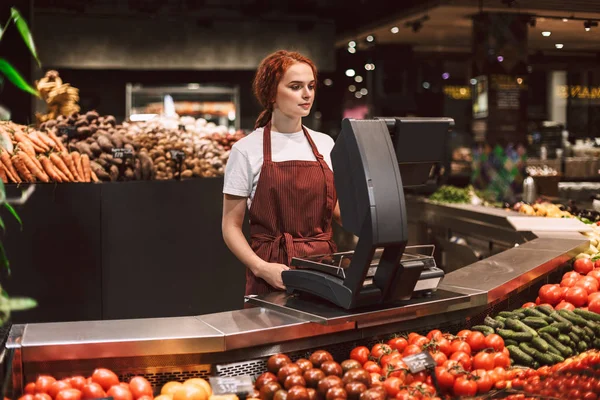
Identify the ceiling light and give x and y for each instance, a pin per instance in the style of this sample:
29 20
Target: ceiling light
350 72
358 79
546 33
328 82
352 88
352 43
520 81
500 58
395 29
358 95
370 38
351 50
473 81
364 91
426 85
445 75
565 19
370 67
559 45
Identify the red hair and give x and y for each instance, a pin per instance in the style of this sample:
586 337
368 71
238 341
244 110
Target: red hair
269 73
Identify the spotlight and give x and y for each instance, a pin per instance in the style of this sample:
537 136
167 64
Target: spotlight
358 79
565 19
352 43
426 85
395 30
328 82
351 50
352 88
546 33
520 81
445 75
559 45
473 81
350 72
370 38
500 58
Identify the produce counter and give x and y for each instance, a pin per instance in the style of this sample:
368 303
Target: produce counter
238 342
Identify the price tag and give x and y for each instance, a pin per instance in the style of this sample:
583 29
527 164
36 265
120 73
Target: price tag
419 362
240 385
70 131
122 153
177 155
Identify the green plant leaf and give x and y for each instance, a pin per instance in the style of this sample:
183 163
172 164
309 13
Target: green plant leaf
12 75
14 213
25 33
4 260
21 303
2 29
2 224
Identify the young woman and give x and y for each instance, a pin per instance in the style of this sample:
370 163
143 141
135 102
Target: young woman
282 172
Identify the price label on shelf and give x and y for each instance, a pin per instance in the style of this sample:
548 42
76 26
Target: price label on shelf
122 153
223 385
419 362
70 131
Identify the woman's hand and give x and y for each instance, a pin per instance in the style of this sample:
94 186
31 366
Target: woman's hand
271 273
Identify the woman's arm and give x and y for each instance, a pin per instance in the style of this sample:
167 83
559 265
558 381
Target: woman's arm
337 216
234 210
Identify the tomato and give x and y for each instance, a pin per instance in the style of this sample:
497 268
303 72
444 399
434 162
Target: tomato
43 383
70 394
372 366
172 387
583 265
376 380
380 349
572 274
464 333
444 378
41 396
276 361
398 343
418 340
570 282
439 357
386 358
320 356
313 376
590 396
594 306
484 361
360 354
435 334
396 367
410 350
357 375
346 365
77 382
484 383
139 387
528 305
332 368
494 341
444 346
392 385
30 388
459 345
476 340
587 284
105 378
463 359
593 297
564 305
287 370
538 300
464 387
26 397
501 360
57 387
595 273
550 294
576 296
93 391
190 392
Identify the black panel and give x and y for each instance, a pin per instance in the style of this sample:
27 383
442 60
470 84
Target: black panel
56 257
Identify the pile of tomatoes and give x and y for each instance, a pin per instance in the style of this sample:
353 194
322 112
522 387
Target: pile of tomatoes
102 383
578 288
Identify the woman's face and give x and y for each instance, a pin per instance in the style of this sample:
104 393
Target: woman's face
296 91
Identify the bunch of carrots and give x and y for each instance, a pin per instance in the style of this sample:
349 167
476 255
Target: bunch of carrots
28 155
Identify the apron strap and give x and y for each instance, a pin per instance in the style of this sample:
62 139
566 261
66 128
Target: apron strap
267 142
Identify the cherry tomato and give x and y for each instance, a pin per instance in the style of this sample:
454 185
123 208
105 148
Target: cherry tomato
476 340
398 343
105 378
360 354
464 387
583 265
494 341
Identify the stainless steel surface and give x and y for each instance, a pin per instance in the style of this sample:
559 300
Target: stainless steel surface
258 326
119 338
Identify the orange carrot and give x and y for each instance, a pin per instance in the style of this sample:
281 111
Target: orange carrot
78 167
93 175
38 142
24 142
31 166
68 160
3 175
87 168
10 169
46 139
60 165
57 140
22 168
50 170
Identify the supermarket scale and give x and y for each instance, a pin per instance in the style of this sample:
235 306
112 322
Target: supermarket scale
373 161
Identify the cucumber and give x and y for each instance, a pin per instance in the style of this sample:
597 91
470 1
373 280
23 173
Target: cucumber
571 316
559 318
553 330
516 336
540 344
552 349
517 325
582 346
589 315
527 349
564 350
510 342
543 358
556 357
519 313
486 330
533 312
508 314
491 322
535 322
596 343
563 327
589 332
594 327
578 330
564 339
520 357
500 319
545 309
574 337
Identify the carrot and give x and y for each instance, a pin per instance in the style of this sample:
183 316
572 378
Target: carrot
24 143
68 160
3 175
46 139
60 166
22 168
8 165
93 175
50 170
87 169
57 141
32 166
77 161
38 142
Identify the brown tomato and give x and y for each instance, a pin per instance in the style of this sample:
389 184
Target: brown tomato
332 368
276 361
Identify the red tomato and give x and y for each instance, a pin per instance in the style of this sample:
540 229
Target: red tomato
444 346
464 333
594 306
572 274
26 397
459 345
464 359
495 342
392 385
78 382
566 305
372 366
589 285
597 262
484 383
528 305
483 360
476 340
360 354
105 378
550 294
92 391
386 358
376 379
398 343
411 349
593 297
139 387
419 340
380 349
30 388
583 265
570 282
444 378
595 273
435 334
464 387
119 393
439 357
58 386
576 296
501 360
42 396
69 394
396 367
43 383
538 300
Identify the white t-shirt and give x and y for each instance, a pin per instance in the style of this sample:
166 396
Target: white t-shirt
246 158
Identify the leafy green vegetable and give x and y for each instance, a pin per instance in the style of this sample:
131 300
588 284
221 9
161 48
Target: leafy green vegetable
11 73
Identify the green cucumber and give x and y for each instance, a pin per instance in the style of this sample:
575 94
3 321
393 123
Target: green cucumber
574 337
520 357
500 319
508 314
594 327
544 358
535 322
564 350
510 342
512 335
553 330
578 331
517 325
582 346
540 344
563 327
564 339
552 349
559 318
486 330
571 316
491 322
588 331
533 312
556 357
545 309
589 315
596 343
527 349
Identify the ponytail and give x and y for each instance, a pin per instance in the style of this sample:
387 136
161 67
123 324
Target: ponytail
263 119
